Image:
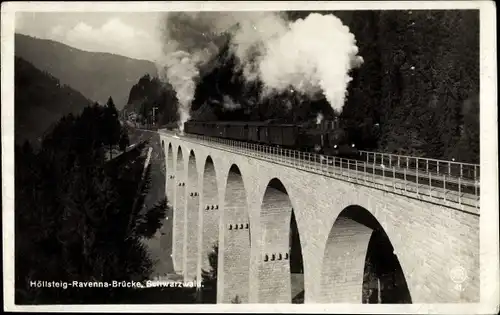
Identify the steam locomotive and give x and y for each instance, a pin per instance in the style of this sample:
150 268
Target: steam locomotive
325 138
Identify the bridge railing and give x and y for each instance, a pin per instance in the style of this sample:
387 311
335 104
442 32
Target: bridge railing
435 166
444 187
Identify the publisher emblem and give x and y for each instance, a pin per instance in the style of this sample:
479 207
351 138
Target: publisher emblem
458 275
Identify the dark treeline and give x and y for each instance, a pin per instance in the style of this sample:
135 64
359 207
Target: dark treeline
416 93
80 217
431 61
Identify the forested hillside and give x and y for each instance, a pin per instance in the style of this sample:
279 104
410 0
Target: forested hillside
96 75
80 218
419 85
148 93
430 84
40 101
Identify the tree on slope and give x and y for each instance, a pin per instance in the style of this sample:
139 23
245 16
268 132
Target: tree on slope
72 217
209 277
112 127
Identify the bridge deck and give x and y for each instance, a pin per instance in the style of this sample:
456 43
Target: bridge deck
446 190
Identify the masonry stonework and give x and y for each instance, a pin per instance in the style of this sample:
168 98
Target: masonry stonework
236 234
274 267
179 212
429 239
210 206
345 249
192 209
170 194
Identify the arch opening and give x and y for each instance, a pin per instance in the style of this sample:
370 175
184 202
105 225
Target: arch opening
170 174
281 271
383 278
296 263
359 264
235 269
191 219
179 213
165 264
210 233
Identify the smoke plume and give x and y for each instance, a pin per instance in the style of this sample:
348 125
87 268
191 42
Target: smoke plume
181 70
188 42
319 118
311 56
229 103
314 56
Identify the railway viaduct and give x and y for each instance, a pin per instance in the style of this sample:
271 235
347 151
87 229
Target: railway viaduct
244 205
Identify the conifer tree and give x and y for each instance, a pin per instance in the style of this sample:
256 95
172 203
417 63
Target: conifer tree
72 215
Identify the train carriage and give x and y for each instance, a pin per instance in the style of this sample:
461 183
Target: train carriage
284 135
264 134
253 133
193 127
220 130
275 135
196 128
211 129
322 139
203 128
238 131
188 128
231 131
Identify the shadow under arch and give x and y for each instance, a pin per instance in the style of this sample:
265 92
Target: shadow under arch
210 217
191 219
235 263
166 263
281 271
359 264
179 212
170 174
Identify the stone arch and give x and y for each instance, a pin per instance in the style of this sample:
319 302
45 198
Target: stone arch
210 214
170 175
191 218
163 144
167 238
235 264
358 257
280 237
179 212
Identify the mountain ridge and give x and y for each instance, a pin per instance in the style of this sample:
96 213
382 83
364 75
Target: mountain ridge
40 100
97 75
80 49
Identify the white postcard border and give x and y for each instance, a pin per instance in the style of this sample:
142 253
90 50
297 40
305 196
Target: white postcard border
489 228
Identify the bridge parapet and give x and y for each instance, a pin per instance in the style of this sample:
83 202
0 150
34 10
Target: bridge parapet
454 191
437 167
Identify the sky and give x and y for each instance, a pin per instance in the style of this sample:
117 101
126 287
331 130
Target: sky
130 34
